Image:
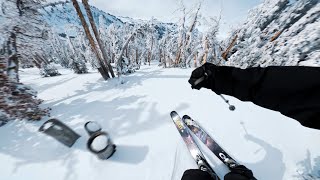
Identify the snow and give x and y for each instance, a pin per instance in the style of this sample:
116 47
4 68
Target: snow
99 143
47 125
136 115
297 43
93 126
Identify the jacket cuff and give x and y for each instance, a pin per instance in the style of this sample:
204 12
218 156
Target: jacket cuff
223 80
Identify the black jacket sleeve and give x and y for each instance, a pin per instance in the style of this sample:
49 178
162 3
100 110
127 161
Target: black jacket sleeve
292 90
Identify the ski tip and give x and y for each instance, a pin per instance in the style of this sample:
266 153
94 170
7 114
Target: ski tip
186 117
173 113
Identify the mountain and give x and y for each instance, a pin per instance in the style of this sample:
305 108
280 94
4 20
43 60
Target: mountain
160 27
60 15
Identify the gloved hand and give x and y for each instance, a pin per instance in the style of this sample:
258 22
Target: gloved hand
196 174
240 173
202 77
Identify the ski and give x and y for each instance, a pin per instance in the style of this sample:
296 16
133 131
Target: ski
215 148
191 145
196 129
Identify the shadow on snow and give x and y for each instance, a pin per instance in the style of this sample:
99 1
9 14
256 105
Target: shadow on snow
120 116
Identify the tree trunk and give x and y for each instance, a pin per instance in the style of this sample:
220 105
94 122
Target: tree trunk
149 57
137 56
127 53
233 42
151 50
164 59
96 33
13 62
160 55
102 69
178 57
206 50
195 61
193 25
125 45
275 36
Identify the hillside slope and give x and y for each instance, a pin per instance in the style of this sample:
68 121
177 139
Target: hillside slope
278 32
136 114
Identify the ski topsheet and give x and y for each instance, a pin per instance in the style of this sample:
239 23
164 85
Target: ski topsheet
192 146
209 142
232 164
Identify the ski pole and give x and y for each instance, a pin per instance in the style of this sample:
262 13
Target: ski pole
198 81
231 107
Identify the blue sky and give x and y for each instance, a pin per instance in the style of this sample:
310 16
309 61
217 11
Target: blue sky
233 11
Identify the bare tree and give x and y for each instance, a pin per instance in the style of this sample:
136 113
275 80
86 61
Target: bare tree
226 52
124 47
185 35
102 69
96 33
182 33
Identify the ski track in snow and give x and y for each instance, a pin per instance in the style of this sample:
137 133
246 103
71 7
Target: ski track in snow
136 115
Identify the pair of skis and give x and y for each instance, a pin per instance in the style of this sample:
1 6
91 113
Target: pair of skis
187 125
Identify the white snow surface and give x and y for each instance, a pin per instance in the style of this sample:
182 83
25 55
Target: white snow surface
136 115
93 126
99 143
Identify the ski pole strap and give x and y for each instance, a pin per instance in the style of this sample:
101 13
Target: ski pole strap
205 76
198 81
243 171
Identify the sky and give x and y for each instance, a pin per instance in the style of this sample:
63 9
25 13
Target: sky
233 12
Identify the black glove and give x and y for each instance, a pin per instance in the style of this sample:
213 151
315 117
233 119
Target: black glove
202 77
240 173
196 174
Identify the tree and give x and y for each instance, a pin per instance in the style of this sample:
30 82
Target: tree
18 101
185 35
96 33
210 43
76 59
119 56
151 39
104 70
24 21
276 33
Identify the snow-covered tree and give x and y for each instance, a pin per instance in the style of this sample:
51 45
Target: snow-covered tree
23 19
210 51
121 59
151 39
60 49
21 33
17 101
185 35
277 32
76 58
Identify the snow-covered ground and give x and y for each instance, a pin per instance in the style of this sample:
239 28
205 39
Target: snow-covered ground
136 115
